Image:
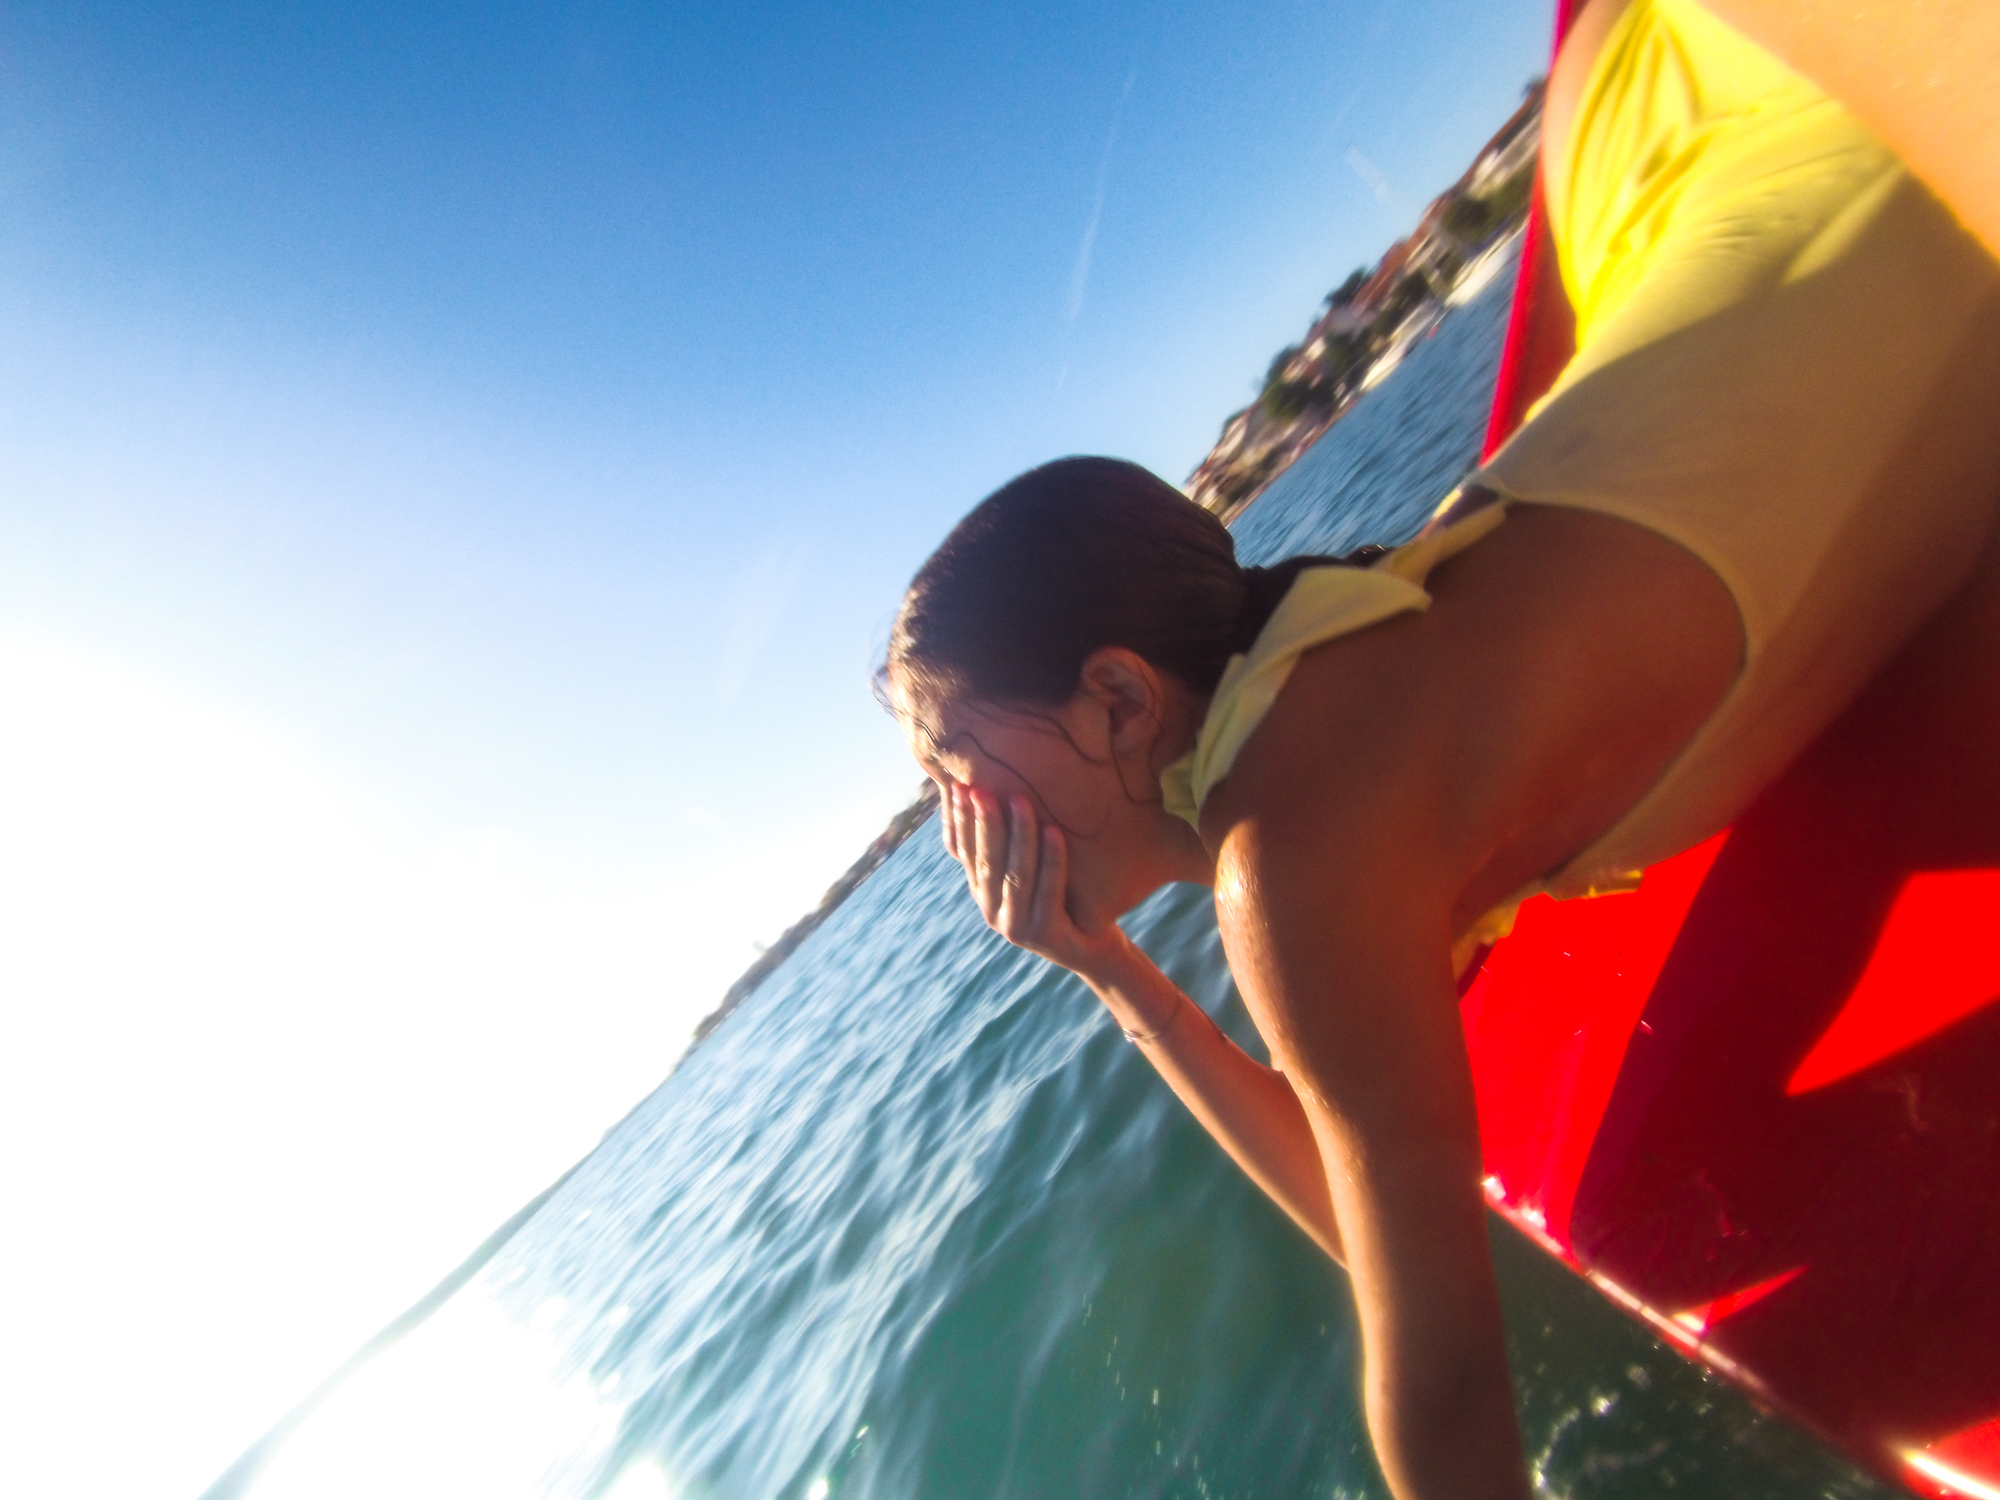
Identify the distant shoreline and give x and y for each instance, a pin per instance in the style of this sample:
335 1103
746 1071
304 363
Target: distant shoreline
886 843
1371 320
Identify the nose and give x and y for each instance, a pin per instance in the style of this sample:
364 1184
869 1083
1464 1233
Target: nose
941 778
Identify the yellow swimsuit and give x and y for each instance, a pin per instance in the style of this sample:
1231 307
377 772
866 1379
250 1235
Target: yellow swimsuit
1788 361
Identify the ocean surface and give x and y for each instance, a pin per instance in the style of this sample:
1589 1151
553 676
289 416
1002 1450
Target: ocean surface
917 1224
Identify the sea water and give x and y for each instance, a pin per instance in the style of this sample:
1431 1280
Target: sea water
917 1224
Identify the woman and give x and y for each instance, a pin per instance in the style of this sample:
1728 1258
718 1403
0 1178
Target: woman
1770 460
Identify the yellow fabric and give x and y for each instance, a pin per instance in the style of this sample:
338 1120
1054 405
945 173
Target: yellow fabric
1321 604
1684 125
1788 359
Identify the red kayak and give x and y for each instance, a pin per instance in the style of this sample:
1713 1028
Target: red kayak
1757 1102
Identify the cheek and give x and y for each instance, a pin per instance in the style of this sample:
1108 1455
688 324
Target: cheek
1008 769
1005 759
1072 797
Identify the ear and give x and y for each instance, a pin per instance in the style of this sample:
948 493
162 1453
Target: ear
1132 694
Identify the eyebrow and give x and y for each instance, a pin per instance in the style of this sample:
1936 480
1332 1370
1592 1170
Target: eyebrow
940 746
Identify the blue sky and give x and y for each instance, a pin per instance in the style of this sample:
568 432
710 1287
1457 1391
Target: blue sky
459 464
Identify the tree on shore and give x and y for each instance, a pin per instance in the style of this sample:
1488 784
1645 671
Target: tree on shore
1466 219
1411 293
1276 373
1345 293
1470 220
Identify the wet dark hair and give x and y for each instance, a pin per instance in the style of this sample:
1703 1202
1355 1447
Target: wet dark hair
1076 555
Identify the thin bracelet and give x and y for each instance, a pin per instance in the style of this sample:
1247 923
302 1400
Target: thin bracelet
1180 1002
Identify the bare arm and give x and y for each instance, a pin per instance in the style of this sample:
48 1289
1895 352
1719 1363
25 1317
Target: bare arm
1353 988
1018 872
1250 1109
1920 73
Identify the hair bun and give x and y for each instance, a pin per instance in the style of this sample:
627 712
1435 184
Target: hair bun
1264 589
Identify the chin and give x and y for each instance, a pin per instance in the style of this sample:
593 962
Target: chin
1106 887
1133 898
1094 911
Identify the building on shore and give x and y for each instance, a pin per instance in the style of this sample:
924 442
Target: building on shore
1370 321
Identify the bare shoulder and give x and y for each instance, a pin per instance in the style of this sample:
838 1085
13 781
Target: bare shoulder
1452 756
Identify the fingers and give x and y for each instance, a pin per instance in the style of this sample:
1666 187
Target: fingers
987 835
1014 917
961 840
951 816
1016 867
995 841
1048 904
976 864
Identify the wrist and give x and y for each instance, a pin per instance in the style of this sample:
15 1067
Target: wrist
1112 963
1140 1036
1143 1002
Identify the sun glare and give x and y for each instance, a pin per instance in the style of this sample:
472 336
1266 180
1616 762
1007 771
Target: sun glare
279 1056
275 1064
473 1406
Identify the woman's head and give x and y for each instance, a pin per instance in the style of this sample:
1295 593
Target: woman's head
1074 556
1059 646
1062 645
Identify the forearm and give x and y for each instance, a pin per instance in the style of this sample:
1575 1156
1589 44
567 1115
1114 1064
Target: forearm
1018 872
1249 1108
1465 1447
1439 1395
